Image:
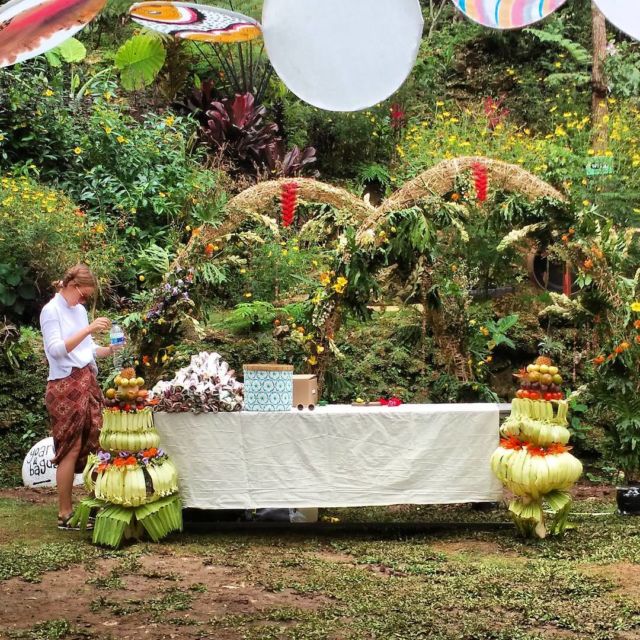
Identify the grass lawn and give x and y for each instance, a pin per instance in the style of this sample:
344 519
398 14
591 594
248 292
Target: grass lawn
450 572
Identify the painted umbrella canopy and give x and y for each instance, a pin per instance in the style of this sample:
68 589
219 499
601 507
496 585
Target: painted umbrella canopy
195 21
29 28
342 55
622 14
507 14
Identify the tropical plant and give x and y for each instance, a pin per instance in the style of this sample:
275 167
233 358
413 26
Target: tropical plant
238 126
139 61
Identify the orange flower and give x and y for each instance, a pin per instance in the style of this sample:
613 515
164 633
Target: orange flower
565 239
637 339
557 448
624 345
209 249
599 360
588 264
512 443
536 451
130 461
196 232
455 197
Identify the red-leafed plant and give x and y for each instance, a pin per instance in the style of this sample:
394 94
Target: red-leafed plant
494 111
288 164
238 126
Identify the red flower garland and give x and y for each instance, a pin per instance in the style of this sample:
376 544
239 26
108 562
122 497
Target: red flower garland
481 180
288 202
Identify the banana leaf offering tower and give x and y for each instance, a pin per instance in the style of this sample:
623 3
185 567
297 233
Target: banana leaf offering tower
134 482
533 459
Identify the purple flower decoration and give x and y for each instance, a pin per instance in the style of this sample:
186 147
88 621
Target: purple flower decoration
124 454
104 456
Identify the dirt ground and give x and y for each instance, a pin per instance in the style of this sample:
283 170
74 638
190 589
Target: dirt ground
76 596
182 591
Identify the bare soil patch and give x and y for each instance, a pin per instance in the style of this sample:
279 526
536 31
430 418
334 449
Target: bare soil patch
43 495
168 596
625 575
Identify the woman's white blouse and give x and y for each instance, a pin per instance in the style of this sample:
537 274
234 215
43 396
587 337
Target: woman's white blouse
58 322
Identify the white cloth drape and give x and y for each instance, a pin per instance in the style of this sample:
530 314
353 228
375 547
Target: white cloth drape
334 456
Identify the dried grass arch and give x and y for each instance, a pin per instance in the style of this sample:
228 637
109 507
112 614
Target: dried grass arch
436 181
260 197
440 180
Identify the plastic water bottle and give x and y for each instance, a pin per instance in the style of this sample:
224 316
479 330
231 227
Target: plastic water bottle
117 340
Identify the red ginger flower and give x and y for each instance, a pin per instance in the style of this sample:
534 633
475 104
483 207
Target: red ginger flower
288 202
397 116
480 180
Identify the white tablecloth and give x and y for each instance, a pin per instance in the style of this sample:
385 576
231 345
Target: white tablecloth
335 456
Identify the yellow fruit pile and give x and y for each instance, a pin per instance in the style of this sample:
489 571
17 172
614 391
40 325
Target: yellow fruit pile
129 393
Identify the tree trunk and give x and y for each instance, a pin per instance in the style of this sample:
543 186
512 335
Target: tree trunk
599 107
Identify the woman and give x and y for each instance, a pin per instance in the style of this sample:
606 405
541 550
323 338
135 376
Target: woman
73 397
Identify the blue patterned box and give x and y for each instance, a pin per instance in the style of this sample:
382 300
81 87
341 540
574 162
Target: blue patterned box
268 387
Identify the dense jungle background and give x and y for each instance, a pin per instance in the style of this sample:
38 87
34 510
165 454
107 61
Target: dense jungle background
163 164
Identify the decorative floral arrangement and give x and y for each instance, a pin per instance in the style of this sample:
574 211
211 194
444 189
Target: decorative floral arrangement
130 458
135 483
174 290
533 459
207 385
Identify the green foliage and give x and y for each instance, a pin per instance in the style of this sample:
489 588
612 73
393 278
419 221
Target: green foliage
623 70
70 50
23 418
139 60
343 141
42 233
498 331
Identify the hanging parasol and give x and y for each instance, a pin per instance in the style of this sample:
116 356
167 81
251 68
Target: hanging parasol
622 14
221 34
342 55
29 28
508 14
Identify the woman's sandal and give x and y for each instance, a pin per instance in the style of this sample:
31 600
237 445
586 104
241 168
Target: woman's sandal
64 523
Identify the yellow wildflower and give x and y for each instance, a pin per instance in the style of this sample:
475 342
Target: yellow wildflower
340 284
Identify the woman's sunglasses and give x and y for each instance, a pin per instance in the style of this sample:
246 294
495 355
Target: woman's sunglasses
84 297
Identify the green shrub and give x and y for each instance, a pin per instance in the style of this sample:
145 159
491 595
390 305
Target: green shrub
141 176
42 233
23 417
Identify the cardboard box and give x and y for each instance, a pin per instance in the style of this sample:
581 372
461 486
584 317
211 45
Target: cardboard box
305 391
